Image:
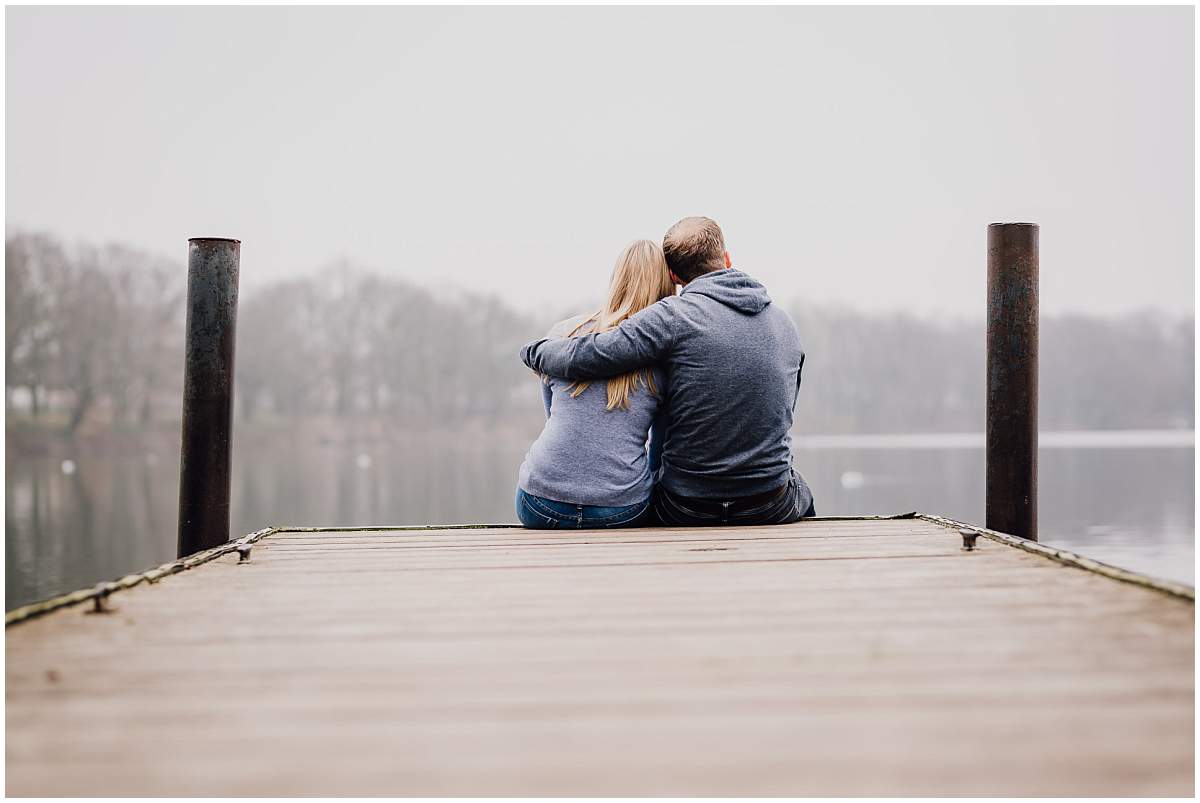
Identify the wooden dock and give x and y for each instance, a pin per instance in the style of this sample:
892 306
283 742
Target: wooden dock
829 657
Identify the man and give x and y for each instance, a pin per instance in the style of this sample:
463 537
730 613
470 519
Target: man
733 362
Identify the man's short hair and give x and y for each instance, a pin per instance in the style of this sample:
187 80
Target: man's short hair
693 247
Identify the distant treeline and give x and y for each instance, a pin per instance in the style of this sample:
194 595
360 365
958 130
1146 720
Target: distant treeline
95 334
898 373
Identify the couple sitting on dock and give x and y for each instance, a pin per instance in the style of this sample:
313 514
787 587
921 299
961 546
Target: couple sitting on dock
666 409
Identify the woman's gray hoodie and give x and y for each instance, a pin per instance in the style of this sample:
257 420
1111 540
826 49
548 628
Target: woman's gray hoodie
587 454
732 361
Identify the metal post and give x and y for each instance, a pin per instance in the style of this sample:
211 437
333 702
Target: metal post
1012 379
204 468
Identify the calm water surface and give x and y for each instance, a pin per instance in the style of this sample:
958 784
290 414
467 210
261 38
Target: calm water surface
1126 500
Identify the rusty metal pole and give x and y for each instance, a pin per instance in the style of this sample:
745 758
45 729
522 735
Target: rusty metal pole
204 468
1012 379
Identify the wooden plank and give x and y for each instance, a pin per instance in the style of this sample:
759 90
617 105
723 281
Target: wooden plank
827 657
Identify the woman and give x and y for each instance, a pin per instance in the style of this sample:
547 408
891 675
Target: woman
590 468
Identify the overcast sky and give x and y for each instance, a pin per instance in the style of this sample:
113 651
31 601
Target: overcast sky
852 155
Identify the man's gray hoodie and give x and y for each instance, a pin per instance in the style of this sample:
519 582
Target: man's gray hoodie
732 361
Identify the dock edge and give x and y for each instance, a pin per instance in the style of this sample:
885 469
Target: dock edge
105 589
1069 558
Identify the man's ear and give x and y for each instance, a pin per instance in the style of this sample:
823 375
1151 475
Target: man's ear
675 278
728 261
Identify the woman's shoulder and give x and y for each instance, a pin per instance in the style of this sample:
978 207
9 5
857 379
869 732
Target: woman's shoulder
566 327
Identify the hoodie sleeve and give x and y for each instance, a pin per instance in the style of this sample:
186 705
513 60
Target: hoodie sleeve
547 396
641 340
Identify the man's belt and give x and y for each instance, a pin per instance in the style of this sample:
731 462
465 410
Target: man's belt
733 504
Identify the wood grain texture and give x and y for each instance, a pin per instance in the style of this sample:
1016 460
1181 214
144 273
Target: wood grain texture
821 658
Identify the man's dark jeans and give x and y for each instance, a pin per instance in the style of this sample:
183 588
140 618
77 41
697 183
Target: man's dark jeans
676 511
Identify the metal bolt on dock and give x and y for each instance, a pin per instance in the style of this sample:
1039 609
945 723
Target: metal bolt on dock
100 601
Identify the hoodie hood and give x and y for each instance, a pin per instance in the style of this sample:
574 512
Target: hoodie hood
732 288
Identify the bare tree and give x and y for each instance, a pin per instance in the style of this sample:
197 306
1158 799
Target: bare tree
145 338
36 268
278 360
86 338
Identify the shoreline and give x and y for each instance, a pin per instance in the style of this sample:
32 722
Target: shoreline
28 439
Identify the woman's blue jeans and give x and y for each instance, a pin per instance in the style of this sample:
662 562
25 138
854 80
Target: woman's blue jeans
538 513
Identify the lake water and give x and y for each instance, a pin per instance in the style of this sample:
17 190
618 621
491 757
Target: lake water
74 520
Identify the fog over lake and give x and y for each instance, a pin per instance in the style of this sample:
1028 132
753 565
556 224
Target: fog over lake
1127 504
365 400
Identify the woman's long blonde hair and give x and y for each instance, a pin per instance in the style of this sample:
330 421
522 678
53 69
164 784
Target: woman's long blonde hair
639 279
